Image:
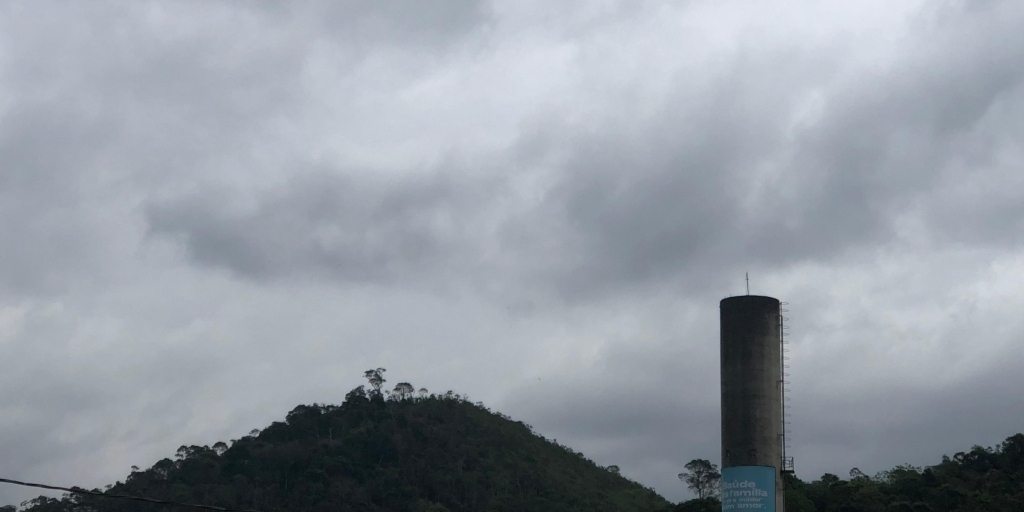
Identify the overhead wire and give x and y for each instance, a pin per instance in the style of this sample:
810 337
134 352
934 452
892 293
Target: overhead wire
79 490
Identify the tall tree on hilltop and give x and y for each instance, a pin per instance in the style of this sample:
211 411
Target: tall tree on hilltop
702 477
376 378
403 390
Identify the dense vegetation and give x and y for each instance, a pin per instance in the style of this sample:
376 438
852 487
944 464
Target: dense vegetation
981 480
379 452
404 450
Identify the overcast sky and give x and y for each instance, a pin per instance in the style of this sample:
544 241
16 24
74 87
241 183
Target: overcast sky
211 212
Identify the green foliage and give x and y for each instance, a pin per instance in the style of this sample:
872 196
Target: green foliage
697 505
702 477
408 451
432 453
796 500
983 479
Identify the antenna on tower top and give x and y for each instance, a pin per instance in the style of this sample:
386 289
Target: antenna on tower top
748 282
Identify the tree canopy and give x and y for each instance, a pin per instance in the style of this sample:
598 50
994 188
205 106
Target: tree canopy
408 451
982 479
702 477
378 452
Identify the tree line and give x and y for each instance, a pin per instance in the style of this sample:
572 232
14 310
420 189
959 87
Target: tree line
380 450
409 450
983 479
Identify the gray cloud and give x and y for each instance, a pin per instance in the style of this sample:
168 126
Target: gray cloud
684 194
708 182
390 21
212 212
327 224
651 405
47 242
371 25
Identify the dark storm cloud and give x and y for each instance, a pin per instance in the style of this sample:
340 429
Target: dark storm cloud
700 185
326 224
139 96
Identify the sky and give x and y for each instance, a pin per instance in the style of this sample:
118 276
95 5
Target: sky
213 211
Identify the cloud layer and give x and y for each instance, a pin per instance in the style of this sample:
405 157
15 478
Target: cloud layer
213 212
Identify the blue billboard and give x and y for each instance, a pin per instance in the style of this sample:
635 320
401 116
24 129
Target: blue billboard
748 488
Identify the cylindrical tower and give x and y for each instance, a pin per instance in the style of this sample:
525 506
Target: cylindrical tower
751 354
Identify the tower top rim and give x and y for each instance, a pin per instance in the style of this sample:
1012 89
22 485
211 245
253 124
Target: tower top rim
748 298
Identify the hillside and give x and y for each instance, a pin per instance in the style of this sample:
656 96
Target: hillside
435 453
404 453
982 479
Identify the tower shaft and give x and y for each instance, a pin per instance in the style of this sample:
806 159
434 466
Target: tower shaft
752 438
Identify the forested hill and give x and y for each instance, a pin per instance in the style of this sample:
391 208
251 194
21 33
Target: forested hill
375 453
979 480
414 452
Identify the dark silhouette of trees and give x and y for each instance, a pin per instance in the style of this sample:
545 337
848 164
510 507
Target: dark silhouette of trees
376 379
441 453
982 479
702 477
403 391
430 453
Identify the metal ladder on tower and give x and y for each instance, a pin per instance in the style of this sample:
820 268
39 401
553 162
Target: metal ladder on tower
787 466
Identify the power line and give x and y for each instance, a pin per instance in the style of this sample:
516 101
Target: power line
79 490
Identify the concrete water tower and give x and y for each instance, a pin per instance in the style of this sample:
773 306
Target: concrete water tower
753 442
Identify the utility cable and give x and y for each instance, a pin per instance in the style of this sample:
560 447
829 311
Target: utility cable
79 490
